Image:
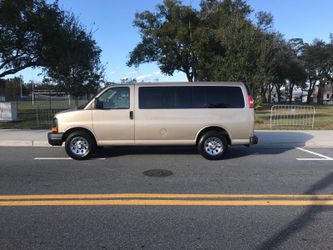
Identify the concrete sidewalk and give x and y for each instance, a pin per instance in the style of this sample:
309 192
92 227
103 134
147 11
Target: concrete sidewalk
23 138
267 138
295 138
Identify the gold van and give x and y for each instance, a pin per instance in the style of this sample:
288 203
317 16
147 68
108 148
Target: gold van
208 115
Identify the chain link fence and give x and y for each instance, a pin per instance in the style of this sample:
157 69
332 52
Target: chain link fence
40 113
44 117
292 115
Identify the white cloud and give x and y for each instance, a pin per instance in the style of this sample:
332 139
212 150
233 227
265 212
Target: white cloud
132 72
130 75
147 76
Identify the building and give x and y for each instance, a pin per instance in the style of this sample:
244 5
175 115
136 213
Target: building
327 93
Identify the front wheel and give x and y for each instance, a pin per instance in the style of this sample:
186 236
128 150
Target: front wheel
79 145
213 145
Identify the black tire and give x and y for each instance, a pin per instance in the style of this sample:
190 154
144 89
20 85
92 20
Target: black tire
213 145
80 145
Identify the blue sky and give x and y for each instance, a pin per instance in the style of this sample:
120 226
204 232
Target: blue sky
111 22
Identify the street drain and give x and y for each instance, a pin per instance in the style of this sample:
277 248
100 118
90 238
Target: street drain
157 173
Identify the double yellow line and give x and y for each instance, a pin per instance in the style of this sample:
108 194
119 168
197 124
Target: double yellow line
149 199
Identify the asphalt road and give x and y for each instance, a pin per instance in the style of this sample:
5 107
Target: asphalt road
109 203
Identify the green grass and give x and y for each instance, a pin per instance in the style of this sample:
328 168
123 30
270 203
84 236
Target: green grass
323 119
26 112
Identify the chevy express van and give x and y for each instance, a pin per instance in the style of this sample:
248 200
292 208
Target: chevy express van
208 115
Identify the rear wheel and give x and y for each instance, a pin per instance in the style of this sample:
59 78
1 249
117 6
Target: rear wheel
80 145
213 145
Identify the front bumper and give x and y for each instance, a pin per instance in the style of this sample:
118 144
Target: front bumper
55 139
253 140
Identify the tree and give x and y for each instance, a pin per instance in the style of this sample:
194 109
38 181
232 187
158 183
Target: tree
318 66
168 38
11 88
78 71
288 69
34 33
244 50
221 42
296 76
281 61
217 42
269 70
27 27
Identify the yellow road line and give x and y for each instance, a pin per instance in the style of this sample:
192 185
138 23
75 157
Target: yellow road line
166 196
168 203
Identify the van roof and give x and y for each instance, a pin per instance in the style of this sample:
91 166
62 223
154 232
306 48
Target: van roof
179 83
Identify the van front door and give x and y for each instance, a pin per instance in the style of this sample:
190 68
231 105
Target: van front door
113 120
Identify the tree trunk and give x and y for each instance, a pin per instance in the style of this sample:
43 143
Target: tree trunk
320 94
269 93
189 76
263 93
291 88
195 75
76 101
310 91
278 92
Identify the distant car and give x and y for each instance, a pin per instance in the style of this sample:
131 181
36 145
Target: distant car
276 100
330 102
25 98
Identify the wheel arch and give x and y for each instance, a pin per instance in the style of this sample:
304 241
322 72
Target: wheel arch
71 130
213 128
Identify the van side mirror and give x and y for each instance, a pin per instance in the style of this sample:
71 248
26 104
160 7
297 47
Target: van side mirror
98 104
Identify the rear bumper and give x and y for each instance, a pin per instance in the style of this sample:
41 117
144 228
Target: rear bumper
55 139
253 140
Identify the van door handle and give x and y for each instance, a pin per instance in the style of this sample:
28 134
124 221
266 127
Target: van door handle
131 115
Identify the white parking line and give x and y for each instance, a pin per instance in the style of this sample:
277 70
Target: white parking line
60 158
51 158
313 159
323 157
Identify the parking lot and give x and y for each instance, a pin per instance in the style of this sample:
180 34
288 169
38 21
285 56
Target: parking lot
133 198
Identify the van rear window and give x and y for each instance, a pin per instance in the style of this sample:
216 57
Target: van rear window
180 97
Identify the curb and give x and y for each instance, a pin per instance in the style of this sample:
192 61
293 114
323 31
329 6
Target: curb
24 143
292 145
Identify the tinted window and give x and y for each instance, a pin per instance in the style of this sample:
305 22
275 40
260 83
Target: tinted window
217 97
190 97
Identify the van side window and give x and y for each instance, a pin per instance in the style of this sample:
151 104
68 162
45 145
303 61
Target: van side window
164 97
217 97
180 97
115 98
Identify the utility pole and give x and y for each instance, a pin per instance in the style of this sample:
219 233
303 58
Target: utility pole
32 93
21 81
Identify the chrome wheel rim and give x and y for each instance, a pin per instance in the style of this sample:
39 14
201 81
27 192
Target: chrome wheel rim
79 146
213 146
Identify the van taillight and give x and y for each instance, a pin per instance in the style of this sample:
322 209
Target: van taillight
251 102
